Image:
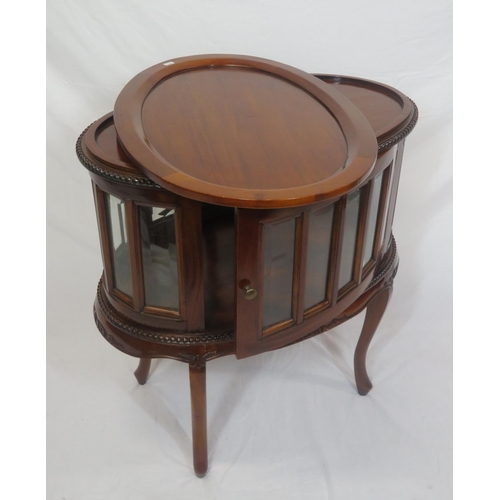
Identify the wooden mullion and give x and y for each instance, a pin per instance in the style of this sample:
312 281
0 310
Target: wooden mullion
190 254
334 250
396 172
384 196
276 327
338 237
366 195
134 243
300 265
102 222
249 271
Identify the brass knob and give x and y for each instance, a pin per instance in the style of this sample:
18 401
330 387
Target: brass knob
250 293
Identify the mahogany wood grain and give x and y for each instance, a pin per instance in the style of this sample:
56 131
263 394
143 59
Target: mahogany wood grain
387 109
142 372
134 242
100 204
299 285
218 137
240 131
198 384
374 312
396 172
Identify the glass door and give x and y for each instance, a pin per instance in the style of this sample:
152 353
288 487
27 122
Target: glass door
152 255
285 269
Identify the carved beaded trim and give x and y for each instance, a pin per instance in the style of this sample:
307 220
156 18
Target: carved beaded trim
142 181
105 334
403 134
385 267
160 338
133 179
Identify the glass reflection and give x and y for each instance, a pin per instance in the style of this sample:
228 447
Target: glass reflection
120 255
159 257
279 249
349 238
373 211
318 253
389 171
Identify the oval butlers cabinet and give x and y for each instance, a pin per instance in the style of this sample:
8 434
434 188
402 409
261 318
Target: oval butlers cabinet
243 205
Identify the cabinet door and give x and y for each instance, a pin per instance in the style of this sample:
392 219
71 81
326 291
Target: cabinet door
152 254
284 285
298 269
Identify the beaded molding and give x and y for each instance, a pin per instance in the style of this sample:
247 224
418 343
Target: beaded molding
132 179
388 143
142 181
160 338
105 334
387 265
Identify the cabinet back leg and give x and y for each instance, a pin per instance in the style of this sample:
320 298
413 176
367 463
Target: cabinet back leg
374 312
142 372
197 380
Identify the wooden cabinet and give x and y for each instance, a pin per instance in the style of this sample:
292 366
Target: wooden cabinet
243 205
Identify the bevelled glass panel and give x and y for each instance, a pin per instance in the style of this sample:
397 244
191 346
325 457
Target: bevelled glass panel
120 255
349 238
372 219
318 255
159 257
386 213
279 249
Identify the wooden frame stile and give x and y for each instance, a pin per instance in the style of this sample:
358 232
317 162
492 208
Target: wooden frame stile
339 225
396 172
299 266
249 270
365 197
135 254
381 215
100 205
189 227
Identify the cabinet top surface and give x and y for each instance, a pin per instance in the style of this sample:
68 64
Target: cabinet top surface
243 131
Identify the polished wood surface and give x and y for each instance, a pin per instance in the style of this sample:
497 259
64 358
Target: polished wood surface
374 312
212 132
198 386
142 371
260 127
243 132
387 109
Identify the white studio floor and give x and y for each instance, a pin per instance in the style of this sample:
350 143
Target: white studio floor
282 425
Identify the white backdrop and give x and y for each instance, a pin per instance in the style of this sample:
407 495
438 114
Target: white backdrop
287 424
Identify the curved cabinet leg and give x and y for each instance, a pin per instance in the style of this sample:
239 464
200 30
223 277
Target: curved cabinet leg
142 372
197 380
374 312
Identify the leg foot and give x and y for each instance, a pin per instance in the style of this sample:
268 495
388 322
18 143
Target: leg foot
374 312
197 380
142 372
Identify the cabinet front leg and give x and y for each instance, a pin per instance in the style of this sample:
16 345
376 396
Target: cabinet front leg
142 372
374 312
197 380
